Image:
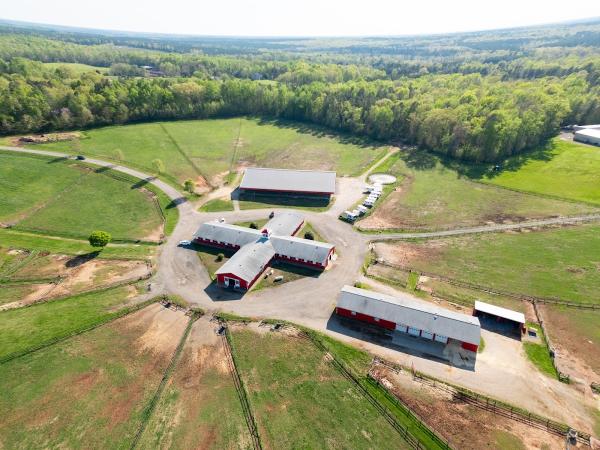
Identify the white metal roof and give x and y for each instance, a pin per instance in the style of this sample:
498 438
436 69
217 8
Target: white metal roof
408 310
588 127
230 234
307 181
494 310
250 260
306 249
588 132
284 224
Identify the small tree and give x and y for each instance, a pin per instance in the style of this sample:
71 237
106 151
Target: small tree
189 186
158 166
220 257
309 235
99 238
254 226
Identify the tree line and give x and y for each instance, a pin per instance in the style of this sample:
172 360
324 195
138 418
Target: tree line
472 117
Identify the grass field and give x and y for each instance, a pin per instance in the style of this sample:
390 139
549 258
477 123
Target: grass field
208 148
433 196
89 391
564 169
303 401
26 328
538 353
77 68
33 241
217 204
559 262
200 407
64 198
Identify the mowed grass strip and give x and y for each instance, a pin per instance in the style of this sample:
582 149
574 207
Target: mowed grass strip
29 328
90 391
433 196
301 401
217 204
32 241
213 145
563 169
557 263
199 407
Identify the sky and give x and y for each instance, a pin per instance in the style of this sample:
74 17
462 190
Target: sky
298 17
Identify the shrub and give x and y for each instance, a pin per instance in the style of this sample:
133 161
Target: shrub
99 238
254 226
309 235
220 257
188 186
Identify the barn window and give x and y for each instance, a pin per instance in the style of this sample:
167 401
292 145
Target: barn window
376 319
353 313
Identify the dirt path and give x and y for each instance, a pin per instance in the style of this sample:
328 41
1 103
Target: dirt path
574 220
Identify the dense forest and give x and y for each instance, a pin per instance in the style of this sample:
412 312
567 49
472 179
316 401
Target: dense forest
476 96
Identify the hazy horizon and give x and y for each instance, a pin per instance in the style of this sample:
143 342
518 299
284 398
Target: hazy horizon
334 18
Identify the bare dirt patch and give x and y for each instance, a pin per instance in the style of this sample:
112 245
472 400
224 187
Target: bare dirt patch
201 186
577 349
163 329
44 138
463 425
405 253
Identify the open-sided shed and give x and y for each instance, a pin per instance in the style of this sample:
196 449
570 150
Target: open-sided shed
500 318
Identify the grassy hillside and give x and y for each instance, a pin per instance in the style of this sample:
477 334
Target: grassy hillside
209 148
65 198
564 169
432 196
26 328
560 263
303 401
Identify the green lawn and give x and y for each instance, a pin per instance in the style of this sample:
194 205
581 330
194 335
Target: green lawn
70 199
77 68
13 292
217 204
33 241
208 147
301 401
199 407
26 328
433 196
539 354
27 182
90 391
98 202
565 169
561 263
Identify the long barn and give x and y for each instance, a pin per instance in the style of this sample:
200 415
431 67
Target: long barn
309 183
409 315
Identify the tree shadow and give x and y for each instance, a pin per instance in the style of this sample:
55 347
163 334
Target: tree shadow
103 169
81 259
58 159
143 182
176 202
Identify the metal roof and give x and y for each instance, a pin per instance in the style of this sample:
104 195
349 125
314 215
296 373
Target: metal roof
250 260
411 311
306 249
284 224
230 234
505 313
588 132
308 181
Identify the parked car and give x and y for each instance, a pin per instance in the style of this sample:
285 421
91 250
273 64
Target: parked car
80 157
184 243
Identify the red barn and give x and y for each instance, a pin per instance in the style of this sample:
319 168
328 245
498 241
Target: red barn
407 314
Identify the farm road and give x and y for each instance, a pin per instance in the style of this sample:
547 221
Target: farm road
310 301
